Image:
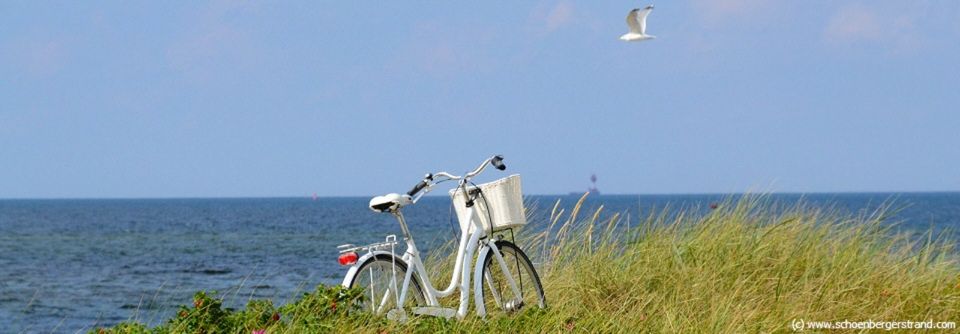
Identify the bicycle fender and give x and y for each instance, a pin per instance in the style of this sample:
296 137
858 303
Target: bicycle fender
363 259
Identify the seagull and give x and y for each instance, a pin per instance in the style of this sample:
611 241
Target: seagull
637 21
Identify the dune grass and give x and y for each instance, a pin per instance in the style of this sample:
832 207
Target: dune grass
749 266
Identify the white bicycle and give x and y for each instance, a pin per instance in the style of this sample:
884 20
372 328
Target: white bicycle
507 281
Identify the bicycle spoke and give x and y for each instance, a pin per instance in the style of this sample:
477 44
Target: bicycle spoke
493 291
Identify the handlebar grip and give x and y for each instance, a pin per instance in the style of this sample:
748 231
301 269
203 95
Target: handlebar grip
497 162
417 188
423 184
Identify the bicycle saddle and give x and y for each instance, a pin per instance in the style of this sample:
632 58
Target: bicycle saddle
389 202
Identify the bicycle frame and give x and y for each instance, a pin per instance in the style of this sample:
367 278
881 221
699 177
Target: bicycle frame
460 278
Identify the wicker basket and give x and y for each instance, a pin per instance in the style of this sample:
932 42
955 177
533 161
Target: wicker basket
501 200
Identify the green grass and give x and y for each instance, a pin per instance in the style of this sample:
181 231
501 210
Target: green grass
749 266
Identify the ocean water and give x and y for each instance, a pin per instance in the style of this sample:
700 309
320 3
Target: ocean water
72 265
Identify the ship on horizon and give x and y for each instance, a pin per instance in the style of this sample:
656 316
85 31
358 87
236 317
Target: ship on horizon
592 190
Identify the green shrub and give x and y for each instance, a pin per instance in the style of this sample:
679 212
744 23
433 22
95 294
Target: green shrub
259 314
205 317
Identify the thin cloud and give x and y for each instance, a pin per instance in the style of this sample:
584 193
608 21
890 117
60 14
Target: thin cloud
433 48
888 27
854 23
559 16
719 11
551 16
212 43
42 58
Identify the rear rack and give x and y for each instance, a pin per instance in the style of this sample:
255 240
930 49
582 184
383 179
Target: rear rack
389 243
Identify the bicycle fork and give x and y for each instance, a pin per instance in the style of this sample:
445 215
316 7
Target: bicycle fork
509 305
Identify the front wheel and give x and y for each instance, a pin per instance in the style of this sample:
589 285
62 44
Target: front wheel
381 277
498 295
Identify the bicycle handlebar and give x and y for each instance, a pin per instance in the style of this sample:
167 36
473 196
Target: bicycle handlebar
496 161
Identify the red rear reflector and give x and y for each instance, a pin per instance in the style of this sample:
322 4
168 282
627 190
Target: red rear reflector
347 259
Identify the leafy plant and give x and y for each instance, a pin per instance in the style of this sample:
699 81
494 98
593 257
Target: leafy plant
205 317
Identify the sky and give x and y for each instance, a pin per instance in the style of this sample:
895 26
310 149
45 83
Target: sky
117 99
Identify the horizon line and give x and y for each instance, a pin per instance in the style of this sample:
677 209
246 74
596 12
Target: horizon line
439 195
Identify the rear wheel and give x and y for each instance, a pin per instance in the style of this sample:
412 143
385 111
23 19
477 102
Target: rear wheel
381 277
498 295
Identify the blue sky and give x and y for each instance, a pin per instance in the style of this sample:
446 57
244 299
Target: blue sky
224 98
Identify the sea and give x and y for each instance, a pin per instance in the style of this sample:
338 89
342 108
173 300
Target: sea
72 265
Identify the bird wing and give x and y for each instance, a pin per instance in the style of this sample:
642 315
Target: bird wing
641 18
633 23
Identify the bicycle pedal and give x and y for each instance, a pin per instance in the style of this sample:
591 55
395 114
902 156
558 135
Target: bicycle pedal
397 315
433 311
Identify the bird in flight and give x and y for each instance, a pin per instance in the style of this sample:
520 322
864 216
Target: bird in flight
637 21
